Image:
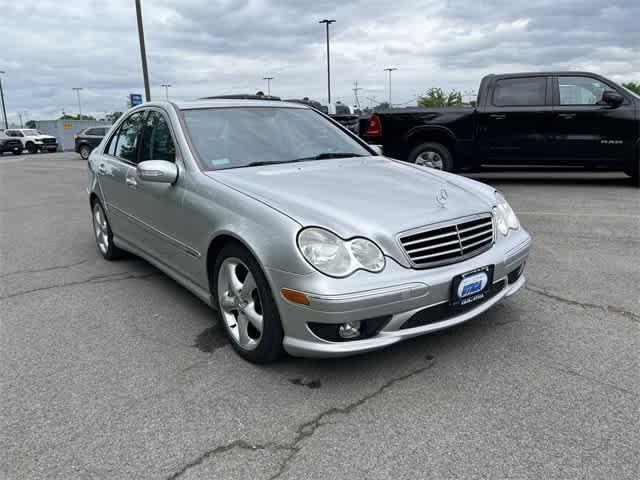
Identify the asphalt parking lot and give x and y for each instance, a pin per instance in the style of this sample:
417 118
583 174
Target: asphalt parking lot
112 370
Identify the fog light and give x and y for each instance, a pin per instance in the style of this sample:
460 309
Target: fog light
350 329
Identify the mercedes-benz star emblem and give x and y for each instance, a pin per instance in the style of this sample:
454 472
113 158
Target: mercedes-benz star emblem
441 197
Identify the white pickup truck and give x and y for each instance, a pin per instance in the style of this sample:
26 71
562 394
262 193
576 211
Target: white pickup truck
33 140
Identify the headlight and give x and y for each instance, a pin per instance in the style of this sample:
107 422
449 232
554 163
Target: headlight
336 257
506 218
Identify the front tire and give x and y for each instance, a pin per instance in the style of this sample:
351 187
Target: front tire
103 233
432 154
85 151
32 148
245 304
634 171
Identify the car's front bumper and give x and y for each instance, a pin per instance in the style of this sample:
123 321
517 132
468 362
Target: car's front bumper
397 294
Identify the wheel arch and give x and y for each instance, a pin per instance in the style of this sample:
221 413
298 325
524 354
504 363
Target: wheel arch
213 251
431 133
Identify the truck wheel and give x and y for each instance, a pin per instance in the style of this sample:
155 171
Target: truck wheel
17 151
32 148
434 155
85 151
634 172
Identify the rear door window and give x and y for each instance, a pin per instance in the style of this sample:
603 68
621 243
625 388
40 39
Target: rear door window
520 92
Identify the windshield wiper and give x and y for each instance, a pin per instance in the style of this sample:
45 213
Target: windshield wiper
268 162
322 156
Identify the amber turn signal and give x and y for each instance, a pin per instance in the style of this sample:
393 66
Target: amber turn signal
295 297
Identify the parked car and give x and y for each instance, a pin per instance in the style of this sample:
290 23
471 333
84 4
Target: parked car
33 140
9 144
88 139
551 118
296 231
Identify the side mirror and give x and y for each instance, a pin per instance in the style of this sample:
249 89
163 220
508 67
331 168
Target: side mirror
377 149
159 171
612 98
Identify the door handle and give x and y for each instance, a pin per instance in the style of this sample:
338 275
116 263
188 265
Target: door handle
567 116
131 182
102 169
498 116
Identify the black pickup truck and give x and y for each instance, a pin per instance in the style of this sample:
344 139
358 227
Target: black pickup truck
575 119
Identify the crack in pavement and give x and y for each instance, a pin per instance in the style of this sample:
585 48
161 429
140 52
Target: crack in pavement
607 308
303 432
564 369
47 269
113 277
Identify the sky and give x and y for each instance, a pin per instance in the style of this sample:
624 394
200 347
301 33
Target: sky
219 47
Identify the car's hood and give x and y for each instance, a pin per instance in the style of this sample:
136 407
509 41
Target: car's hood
42 137
370 196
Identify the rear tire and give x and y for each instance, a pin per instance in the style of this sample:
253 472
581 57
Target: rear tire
432 154
244 304
17 152
634 171
85 151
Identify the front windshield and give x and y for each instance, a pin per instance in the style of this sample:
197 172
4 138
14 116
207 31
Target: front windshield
241 136
31 132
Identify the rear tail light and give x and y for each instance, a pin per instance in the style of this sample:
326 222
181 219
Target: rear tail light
374 128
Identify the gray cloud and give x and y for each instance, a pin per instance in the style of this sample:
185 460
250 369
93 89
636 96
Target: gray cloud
224 46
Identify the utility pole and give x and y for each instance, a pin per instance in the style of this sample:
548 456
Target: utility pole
143 52
268 79
166 90
390 70
328 22
4 110
77 90
20 117
355 92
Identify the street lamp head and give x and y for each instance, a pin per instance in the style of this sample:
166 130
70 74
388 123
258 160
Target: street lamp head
327 21
390 69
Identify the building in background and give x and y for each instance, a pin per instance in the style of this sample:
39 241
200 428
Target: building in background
66 130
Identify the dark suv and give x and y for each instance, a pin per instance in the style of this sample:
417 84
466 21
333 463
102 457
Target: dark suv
88 139
9 144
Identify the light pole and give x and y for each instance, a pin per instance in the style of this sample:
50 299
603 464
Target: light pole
268 79
328 22
4 110
390 70
77 89
166 89
143 52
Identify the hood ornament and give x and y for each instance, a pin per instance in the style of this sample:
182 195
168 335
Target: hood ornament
441 197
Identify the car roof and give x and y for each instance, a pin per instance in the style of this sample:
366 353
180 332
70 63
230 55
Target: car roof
232 102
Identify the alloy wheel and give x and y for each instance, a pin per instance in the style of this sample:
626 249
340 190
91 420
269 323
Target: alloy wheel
240 303
101 228
430 159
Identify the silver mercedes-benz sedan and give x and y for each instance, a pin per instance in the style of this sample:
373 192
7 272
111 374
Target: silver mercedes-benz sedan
302 237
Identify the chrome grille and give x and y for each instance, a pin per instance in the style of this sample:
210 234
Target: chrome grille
452 243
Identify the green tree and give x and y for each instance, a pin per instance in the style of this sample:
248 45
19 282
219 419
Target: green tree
112 117
381 106
437 97
633 86
76 117
30 124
